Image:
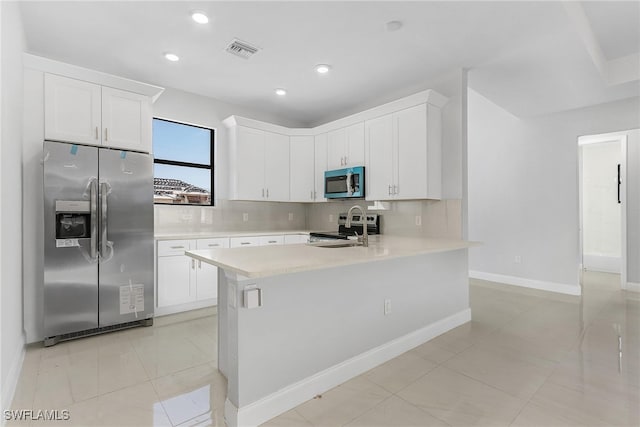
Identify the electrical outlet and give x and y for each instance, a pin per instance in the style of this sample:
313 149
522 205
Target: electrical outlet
290 216
418 220
387 307
245 217
330 217
517 259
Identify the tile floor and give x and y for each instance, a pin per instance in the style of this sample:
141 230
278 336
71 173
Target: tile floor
528 358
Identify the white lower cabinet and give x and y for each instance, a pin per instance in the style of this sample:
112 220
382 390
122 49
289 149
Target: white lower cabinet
207 274
182 279
240 242
184 283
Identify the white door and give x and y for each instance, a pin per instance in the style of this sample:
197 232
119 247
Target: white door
302 169
380 150
126 120
336 148
174 280
249 165
410 128
71 110
354 155
276 164
320 159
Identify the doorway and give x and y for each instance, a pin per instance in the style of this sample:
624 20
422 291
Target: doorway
602 201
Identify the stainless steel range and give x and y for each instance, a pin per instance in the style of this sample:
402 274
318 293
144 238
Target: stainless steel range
344 232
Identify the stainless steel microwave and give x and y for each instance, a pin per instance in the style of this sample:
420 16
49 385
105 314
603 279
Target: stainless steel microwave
344 183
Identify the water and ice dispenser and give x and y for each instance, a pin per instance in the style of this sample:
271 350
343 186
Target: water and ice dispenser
73 222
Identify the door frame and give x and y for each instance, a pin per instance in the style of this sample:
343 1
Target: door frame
613 137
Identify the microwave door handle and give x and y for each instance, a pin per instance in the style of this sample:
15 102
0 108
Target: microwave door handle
349 183
93 191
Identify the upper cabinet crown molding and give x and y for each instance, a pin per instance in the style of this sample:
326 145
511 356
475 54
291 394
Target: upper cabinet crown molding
429 96
79 73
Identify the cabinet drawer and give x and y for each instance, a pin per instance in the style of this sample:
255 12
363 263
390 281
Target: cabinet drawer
172 247
212 243
241 242
272 240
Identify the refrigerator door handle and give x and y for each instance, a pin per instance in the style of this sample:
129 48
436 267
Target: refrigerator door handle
104 188
93 191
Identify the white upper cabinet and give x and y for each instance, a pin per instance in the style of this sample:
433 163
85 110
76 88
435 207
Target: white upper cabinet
72 110
320 160
404 155
302 169
259 165
346 147
380 169
247 160
399 143
87 113
276 167
126 120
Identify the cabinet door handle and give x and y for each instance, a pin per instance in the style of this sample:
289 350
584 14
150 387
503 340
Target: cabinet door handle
245 243
314 194
97 136
273 241
199 264
211 245
106 134
263 192
177 247
267 193
389 189
311 194
395 189
193 264
346 160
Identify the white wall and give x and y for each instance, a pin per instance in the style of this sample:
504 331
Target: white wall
633 209
601 212
12 337
523 190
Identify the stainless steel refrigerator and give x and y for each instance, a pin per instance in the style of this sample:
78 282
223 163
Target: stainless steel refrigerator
98 240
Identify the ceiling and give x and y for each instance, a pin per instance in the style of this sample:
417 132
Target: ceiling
529 57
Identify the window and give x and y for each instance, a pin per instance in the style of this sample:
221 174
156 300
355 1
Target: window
183 164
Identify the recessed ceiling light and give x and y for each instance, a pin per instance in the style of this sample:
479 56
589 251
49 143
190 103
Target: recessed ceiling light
393 26
281 92
323 68
200 17
171 57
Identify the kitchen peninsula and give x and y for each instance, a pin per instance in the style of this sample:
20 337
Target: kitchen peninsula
295 321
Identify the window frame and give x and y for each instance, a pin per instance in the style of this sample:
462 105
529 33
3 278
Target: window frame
210 167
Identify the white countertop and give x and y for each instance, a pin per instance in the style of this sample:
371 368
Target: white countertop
263 261
216 234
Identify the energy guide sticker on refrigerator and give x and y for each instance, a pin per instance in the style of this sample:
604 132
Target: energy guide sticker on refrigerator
98 244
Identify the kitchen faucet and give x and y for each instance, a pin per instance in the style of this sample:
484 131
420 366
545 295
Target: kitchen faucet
365 235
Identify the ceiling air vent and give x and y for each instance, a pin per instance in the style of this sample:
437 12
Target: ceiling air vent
241 49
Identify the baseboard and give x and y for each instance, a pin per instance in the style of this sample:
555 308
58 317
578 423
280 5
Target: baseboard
605 264
11 383
179 308
633 287
293 395
561 288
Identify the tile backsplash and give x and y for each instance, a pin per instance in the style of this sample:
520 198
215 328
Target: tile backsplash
437 218
230 215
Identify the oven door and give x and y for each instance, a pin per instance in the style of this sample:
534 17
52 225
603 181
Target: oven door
344 183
